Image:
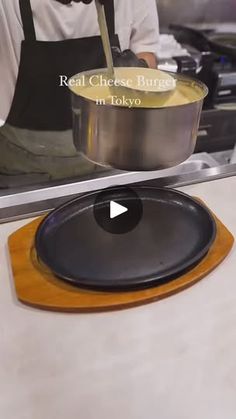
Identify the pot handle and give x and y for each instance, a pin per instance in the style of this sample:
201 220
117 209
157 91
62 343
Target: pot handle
77 128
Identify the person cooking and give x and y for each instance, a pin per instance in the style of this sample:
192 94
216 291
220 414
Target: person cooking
41 40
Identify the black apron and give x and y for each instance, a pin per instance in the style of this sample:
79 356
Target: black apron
39 102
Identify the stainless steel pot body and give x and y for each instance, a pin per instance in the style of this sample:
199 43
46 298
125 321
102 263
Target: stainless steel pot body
136 139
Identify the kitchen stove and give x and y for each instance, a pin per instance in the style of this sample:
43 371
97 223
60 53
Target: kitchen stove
217 70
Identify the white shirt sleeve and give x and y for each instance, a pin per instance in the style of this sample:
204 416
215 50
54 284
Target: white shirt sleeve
145 26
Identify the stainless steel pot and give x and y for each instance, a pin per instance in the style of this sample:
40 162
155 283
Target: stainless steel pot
137 139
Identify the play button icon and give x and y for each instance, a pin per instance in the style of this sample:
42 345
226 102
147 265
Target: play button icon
118 210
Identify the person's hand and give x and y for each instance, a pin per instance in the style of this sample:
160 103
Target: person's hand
126 58
80 1
90 1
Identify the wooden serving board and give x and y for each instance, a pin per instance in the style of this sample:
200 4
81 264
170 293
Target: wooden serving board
37 286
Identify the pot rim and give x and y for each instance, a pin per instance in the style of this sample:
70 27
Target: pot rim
177 76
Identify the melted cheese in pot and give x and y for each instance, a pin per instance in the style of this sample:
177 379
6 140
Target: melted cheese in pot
122 92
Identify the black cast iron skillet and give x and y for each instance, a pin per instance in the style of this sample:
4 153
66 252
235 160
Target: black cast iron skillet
175 233
223 43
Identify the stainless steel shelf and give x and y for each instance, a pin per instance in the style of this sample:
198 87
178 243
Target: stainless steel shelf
32 201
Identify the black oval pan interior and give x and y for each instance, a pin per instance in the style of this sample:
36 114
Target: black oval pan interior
223 43
174 234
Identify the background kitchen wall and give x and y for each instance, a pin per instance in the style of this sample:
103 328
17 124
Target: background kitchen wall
182 11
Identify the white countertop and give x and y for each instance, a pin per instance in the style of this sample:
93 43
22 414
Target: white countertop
174 359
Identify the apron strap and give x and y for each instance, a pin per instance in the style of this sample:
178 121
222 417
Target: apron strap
27 20
110 16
